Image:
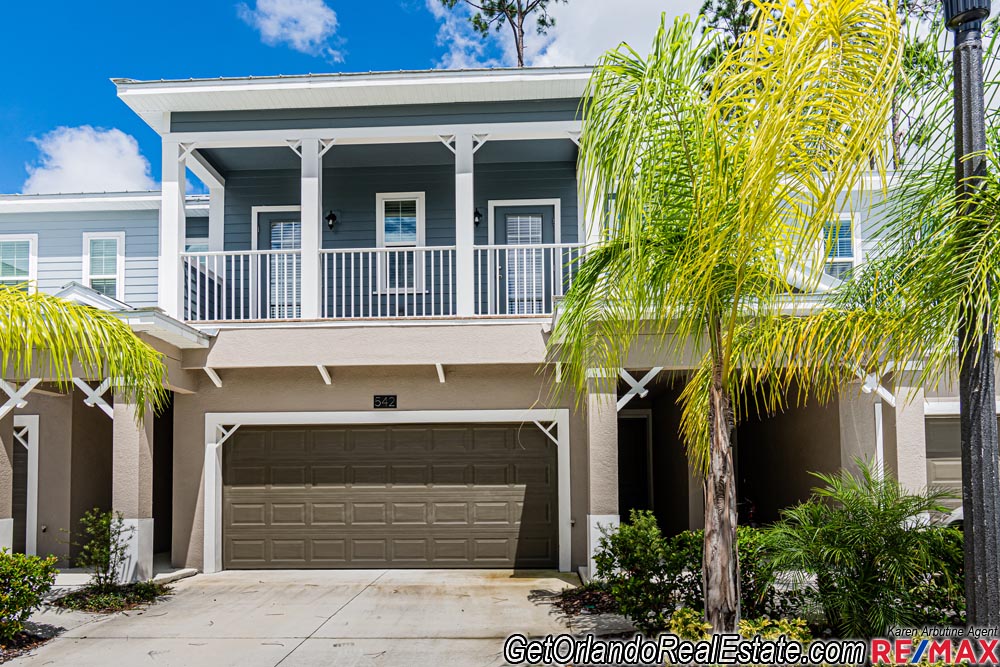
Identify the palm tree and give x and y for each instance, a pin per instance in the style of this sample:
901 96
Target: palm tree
906 311
717 189
42 335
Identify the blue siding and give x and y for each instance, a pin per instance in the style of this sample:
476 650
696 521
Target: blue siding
384 116
350 193
60 247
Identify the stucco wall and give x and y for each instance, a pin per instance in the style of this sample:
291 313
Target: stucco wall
301 389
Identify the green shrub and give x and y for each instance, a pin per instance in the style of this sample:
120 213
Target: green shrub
689 624
24 581
860 537
104 547
632 561
770 628
650 576
939 595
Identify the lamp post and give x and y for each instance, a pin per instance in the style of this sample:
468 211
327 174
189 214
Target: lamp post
980 468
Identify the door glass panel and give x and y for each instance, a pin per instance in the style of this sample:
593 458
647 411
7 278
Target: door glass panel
525 278
285 270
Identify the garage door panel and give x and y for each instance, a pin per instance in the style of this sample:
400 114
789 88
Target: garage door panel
412 496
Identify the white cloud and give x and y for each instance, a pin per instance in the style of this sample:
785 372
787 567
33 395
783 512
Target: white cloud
88 159
305 25
587 28
584 30
465 48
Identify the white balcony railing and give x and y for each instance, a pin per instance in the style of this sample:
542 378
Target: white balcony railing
523 279
370 283
388 282
245 285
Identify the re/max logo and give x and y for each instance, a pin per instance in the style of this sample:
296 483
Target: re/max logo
906 651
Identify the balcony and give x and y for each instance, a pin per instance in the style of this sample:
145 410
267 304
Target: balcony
379 283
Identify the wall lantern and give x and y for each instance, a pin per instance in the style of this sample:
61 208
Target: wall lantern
961 12
477 217
331 220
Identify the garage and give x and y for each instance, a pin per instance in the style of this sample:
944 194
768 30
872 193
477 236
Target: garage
401 496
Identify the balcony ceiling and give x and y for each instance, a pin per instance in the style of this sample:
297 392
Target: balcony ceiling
228 160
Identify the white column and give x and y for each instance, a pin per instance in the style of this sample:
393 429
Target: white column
172 230
464 231
216 217
602 447
132 487
312 214
7 481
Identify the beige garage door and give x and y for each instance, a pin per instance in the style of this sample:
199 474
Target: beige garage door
401 496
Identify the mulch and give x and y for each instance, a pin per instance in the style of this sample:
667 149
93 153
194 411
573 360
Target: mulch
23 643
585 600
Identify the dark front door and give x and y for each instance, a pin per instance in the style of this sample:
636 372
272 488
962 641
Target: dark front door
633 464
524 268
282 280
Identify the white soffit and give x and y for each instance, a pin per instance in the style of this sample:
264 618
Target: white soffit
150 99
197 205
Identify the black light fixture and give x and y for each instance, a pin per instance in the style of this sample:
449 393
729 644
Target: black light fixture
331 220
477 217
958 13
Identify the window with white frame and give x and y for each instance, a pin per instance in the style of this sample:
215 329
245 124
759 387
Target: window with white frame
838 235
104 263
400 230
18 260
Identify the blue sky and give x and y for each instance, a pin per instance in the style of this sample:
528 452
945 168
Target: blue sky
57 56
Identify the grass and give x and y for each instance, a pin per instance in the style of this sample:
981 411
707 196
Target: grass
108 600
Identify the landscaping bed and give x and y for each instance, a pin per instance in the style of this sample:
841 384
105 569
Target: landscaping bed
19 645
111 599
589 599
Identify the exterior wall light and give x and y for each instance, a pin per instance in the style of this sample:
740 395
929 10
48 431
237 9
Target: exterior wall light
477 217
959 13
331 220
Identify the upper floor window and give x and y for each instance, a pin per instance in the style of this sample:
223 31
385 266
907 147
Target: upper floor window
400 226
18 259
104 263
839 238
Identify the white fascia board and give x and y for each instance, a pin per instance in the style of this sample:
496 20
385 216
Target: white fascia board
167 329
140 201
560 129
147 98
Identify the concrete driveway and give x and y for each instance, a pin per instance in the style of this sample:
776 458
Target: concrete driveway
369 617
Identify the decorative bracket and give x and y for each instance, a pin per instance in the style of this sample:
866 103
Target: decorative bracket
16 396
548 431
95 396
636 388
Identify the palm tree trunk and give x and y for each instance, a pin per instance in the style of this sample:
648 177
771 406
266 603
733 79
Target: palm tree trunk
720 568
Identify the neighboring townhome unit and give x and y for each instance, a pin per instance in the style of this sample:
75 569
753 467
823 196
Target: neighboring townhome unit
355 320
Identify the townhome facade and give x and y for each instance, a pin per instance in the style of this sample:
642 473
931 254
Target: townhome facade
355 321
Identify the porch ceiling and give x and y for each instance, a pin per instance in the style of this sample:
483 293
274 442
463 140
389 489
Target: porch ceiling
227 160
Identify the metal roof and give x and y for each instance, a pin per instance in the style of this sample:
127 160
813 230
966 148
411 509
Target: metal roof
153 99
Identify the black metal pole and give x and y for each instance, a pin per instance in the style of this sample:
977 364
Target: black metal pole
977 395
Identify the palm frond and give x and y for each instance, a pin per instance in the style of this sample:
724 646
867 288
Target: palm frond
44 336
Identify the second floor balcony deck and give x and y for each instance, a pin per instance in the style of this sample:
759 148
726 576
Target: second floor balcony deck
378 283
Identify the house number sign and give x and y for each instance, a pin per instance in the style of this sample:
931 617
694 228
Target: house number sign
385 402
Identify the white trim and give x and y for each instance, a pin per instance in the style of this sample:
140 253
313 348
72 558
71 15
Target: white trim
440 372
95 396
213 375
213 456
418 266
16 396
255 212
556 205
401 134
30 423
32 240
325 374
119 276
946 408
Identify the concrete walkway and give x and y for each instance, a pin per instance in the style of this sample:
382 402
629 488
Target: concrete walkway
370 617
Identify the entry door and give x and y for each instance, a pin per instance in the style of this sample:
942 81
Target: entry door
525 268
635 491
284 270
